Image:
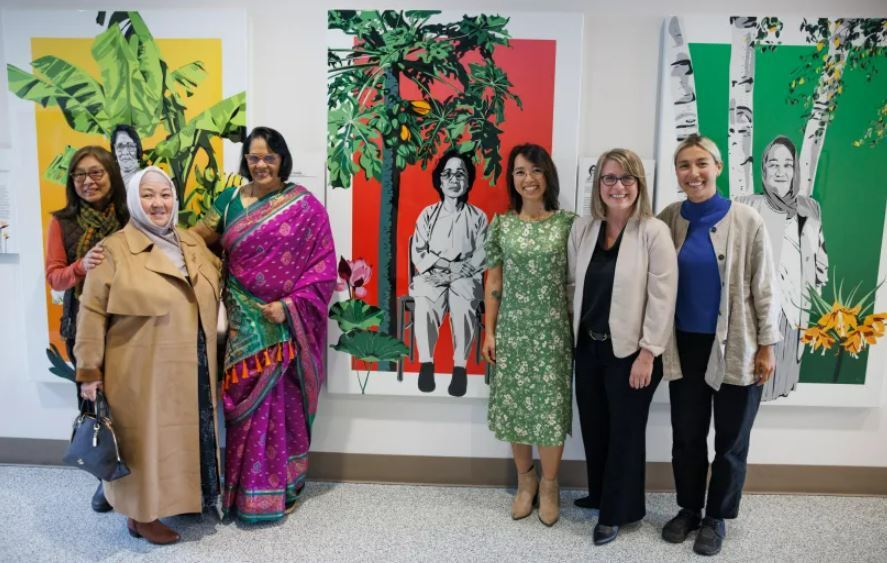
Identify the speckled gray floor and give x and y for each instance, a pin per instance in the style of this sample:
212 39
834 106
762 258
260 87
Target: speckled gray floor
45 516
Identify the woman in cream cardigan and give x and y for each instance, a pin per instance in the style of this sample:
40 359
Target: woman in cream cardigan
623 270
725 328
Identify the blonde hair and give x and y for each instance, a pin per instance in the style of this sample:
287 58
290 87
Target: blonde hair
631 163
701 141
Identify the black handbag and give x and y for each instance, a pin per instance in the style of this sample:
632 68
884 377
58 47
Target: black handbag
93 446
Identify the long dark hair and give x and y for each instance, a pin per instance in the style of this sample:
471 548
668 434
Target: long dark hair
117 196
537 156
439 168
276 144
132 135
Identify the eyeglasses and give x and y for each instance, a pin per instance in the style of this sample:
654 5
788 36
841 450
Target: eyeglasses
521 173
268 159
611 179
96 174
446 175
125 147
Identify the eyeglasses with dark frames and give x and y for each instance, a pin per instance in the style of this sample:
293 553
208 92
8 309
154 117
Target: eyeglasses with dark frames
626 179
95 174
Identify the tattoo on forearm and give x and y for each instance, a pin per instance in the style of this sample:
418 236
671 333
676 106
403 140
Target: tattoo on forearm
497 295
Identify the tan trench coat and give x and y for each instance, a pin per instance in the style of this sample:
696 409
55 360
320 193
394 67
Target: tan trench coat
137 332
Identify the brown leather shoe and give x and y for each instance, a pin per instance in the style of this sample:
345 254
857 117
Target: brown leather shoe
155 532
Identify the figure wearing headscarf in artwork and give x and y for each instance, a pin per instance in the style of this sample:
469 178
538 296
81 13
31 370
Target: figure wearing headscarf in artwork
448 256
146 335
794 225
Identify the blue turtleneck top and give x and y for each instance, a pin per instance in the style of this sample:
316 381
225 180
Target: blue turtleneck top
699 281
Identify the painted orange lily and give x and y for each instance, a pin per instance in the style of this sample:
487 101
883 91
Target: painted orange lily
840 319
817 338
858 338
876 323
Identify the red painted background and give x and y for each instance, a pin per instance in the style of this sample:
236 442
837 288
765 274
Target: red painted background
530 67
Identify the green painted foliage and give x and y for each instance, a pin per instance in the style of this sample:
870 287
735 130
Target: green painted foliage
355 314
138 88
371 347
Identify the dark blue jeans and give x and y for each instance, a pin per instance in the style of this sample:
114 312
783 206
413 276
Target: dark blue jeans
692 404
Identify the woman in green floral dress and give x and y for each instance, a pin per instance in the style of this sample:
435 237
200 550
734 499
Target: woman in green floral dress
528 337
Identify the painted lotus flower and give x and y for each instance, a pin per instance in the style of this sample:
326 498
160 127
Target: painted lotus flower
354 276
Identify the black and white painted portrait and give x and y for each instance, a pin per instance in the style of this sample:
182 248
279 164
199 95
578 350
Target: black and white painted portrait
447 255
794 226
126 146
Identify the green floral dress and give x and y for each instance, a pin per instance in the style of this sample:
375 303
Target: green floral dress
530 394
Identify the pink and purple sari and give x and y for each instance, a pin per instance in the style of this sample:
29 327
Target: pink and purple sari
279 249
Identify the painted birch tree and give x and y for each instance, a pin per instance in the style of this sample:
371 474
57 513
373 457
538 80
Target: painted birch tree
681 84
747 34
367 116
840 45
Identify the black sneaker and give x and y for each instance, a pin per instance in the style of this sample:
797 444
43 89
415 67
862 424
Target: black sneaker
710 536
99 502
678 528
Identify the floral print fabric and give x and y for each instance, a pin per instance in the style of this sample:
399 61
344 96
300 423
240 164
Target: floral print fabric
530 393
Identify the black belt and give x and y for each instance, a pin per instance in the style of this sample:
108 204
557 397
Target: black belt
598 336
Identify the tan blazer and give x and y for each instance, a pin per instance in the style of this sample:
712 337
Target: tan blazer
645 284
137 332
748 315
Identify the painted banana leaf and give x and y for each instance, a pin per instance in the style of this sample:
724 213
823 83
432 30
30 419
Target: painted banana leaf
57 171
226 119
58 83
371 346
132 75
59 367
355 314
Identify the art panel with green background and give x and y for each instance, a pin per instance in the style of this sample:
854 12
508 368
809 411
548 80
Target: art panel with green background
798 108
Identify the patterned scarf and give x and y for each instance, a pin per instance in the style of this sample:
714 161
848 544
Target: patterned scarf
96 225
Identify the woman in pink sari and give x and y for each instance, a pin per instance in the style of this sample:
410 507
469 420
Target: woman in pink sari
281 272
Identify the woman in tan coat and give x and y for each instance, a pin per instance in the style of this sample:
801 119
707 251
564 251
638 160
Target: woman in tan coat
146 336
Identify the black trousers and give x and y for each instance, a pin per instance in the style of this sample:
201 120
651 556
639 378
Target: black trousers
692 405
613 417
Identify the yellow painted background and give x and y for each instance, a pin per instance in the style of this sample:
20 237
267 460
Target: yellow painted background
53 132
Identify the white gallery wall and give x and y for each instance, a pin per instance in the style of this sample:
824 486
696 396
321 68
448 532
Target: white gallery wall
287 90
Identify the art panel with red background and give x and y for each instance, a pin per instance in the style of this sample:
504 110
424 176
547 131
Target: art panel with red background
530 66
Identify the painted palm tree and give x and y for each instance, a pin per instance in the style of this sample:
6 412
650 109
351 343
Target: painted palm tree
138 88
369 117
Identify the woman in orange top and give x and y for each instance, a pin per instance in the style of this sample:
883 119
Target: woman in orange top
95 207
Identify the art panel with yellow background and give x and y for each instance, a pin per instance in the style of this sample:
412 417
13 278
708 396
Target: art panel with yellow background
170 90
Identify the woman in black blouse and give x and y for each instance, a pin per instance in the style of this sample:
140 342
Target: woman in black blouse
623 267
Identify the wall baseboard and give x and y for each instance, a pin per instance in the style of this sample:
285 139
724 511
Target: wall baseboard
498 472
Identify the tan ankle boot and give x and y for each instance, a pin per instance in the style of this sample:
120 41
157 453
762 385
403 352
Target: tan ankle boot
549 501
525 497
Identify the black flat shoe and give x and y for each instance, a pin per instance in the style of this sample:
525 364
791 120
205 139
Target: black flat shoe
99 502
585 502
459 383
605 534
426 377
